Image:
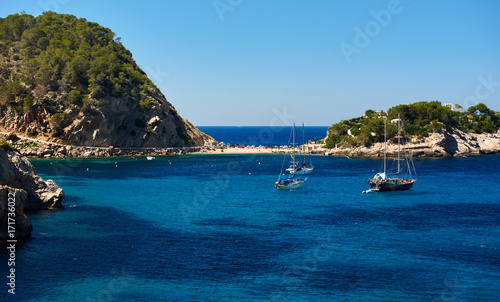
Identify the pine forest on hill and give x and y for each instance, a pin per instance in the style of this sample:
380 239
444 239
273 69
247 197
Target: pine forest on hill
57 70
71 57
420 119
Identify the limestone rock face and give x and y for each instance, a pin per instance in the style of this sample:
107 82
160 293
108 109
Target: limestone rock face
118 122
13 201
442 144
16 172
122 124
459 143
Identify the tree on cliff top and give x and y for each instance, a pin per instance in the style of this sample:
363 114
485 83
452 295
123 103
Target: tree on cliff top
56 69
420 119
77 60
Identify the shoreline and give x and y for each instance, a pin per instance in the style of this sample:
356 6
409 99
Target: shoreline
34 148
134 153
242 151
39 149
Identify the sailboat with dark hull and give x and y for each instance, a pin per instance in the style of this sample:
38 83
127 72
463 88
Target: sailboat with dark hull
405 176
383 183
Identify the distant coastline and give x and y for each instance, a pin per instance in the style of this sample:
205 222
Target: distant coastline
445 144
454 143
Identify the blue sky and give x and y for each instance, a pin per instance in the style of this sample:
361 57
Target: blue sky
258 62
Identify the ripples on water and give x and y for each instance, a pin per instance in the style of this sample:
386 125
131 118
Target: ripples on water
213 228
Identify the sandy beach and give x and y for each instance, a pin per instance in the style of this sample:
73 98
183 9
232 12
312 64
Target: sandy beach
246 150
310 148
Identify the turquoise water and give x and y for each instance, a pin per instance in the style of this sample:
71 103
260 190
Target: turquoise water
214 228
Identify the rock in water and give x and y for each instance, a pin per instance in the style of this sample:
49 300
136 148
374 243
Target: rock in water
13 201
17 172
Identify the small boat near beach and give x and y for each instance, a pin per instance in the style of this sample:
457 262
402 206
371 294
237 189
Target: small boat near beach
290 182
150 157
301 168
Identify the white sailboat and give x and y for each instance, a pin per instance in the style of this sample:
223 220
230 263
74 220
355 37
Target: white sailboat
290 182
301 168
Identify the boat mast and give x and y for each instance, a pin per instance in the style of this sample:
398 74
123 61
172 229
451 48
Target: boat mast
385 142
293 156
303 144
399 138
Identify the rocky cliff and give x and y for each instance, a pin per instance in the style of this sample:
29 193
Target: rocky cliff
13 201
442 144
16 172
22 189
118 123
71 81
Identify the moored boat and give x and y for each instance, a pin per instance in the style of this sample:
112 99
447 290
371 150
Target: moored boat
290 182
405 176
300 168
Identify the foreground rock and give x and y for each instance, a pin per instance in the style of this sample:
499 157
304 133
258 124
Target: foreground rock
444 144
16 172
22 189
13 201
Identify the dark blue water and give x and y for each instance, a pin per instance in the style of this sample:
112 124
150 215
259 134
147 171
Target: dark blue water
265 136
214 228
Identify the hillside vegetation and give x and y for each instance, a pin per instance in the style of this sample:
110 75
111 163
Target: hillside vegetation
76 59
56 69
420 120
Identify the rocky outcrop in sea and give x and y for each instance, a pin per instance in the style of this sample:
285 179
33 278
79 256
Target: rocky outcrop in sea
12 203
17 172
20 185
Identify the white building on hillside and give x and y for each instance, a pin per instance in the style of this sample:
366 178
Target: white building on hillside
454 107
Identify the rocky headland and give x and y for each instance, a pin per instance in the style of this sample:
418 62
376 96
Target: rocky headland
443 144
20 185
91 94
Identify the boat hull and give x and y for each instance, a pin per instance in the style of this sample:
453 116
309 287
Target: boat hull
304 171
390 186
291 185
301 170
383 181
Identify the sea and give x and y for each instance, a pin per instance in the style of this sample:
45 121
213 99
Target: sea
214 228
264 136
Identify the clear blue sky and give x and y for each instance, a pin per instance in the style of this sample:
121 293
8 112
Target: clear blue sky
260 62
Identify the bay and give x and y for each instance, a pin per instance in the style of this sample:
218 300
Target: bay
214 228
265 136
